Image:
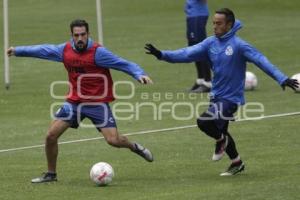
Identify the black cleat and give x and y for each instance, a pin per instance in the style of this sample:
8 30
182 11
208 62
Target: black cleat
199 89
143 152
46 177
234 168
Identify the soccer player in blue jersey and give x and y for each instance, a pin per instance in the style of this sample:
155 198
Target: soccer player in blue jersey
228 55
196 19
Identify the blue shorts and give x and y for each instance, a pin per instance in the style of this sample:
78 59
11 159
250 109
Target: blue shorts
99 113
196 29
221 111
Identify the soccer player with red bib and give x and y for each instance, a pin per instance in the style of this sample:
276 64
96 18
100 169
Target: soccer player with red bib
90 90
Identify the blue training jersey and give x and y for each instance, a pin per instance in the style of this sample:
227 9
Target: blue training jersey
103 57
228 56
195 8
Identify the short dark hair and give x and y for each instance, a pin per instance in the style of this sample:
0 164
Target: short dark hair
228 14
80 23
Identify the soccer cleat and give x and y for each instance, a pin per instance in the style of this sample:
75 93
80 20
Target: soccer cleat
199 89
143 152
234 168
46 177
220 149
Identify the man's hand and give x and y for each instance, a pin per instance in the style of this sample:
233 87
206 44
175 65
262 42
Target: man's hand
10 51
145 79
292 83
152 50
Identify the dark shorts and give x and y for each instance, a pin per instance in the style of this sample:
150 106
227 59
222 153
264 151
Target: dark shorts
221 111
196 29
99 113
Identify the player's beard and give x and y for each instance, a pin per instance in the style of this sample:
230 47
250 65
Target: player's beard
80 46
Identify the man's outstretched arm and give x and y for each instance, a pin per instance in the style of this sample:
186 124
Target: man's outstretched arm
183 55
44 51
105 58
254 56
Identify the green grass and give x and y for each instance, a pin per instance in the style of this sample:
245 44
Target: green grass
182 167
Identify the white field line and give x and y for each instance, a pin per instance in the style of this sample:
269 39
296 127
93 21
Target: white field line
151 131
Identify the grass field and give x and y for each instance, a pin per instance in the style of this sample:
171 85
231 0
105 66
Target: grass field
182 167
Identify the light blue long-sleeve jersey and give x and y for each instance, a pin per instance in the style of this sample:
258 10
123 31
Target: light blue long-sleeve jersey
195 8
103 57
228 56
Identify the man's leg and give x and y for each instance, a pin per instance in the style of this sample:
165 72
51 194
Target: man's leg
207 123
57 128
203 81
237 164
101 116
231 148
196 32
204 73
113 138
214 122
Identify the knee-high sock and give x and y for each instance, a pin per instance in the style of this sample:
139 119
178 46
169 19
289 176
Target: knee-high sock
231 148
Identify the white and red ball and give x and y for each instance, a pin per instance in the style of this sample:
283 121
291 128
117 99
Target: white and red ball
102 173
250 81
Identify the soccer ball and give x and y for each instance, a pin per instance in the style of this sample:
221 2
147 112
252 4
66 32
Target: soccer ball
250 81
297 77
101 173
